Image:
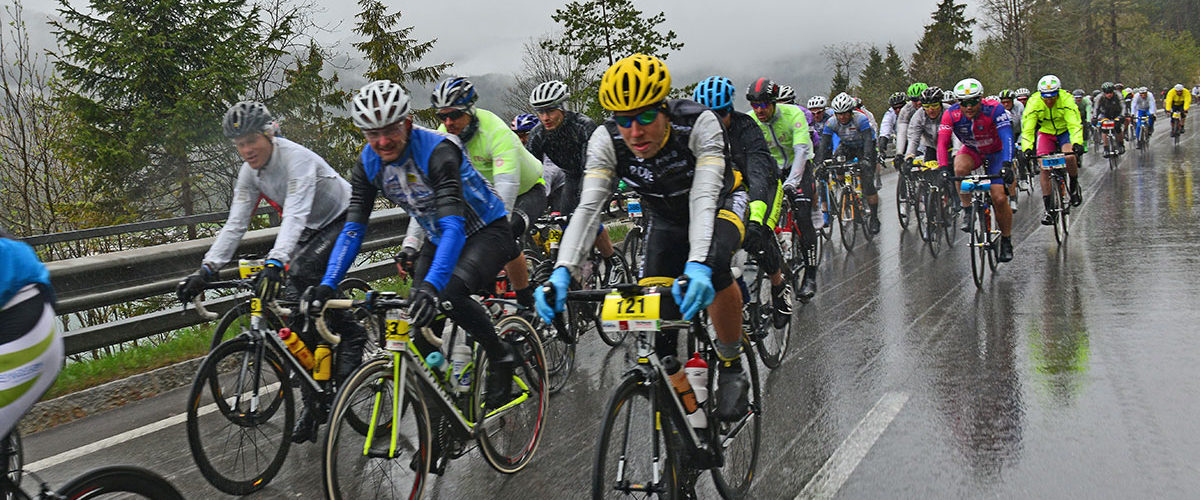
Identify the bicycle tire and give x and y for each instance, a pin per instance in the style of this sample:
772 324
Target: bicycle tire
936 217
632 246
237 320
208 383
370 385
827 212
119 479
620 275
1059 207
903 207
993 240
949 224
558 342
772 344
532 373
921 212
846 218
863 218
978 249
623 403
736 484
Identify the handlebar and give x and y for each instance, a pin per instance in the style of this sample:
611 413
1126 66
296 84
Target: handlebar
198 301
374 302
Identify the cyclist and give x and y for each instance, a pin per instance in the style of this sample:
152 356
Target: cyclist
496 152
1053 121
522 124
312 199
904 117
1196 91
816 106
785 129
1127 97
1178 99
1022 95
1111 107
857 140
673 153
752 157
1015 110
562 137
986 133
1144 105
462 221
31 348
1085 112
923 128
786 95
887 128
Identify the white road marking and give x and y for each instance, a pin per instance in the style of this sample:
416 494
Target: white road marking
85 450
833 474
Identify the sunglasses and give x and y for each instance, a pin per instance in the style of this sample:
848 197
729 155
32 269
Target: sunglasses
1049 95
817 111
644 118
723 112
974 101
935 105
761 104
451 115
545 109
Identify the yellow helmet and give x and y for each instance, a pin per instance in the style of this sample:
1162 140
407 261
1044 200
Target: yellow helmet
634 82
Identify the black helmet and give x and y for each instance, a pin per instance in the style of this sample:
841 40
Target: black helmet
931 95
1107 87
1007 94
247 117
762 90
897 99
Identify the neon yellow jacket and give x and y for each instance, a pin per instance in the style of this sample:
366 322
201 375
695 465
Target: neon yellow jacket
496 152
1174 98
1062 117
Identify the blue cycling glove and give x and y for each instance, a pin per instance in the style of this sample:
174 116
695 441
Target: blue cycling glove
700 291
561 280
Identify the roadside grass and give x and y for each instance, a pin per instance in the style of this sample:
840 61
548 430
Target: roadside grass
181 346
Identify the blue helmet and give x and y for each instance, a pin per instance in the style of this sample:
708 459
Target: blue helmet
456 92
716 92
524 122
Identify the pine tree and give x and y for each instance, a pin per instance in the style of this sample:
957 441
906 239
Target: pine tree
840 82
304 108
392 55
943 56
873 87
893 70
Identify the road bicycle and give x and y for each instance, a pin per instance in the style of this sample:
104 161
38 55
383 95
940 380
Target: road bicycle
632 247
1108 130
1060 193
851 206
937 207
758 314
1142 131
1176 127
648 445
906 196
828 187
399 417
984 242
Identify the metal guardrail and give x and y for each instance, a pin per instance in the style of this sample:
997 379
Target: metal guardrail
115 278
133 227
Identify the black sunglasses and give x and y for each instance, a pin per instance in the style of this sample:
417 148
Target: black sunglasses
453 115
974 101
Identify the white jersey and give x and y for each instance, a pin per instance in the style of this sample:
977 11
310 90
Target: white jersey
1147 104
306 191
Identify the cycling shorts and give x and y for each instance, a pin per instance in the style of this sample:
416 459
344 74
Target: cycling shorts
992 160
1047 143
666 243
31 350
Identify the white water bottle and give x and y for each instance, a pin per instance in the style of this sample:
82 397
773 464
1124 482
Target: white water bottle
785 241
460 357
697 375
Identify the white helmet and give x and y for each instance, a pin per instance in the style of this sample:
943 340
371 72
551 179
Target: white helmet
817 101
1049 84
1143 90
1179 87
968 88
379 104
1022 92
786 94
456 92
948 97
842 103
549 94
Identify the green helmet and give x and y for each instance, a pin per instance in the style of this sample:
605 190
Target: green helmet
914 90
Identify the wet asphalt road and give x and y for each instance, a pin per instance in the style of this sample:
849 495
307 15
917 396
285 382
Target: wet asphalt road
1071 374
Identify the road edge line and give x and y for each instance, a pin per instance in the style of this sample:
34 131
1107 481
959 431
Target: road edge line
837 469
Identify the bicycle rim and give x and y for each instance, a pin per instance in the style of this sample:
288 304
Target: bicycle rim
509 437
119 482
920 214
1058 206
903 204
632 458
993 240
771 342
978 250
358 466
560 354
734 477
592 311
238 440
949 221
846 219
236 321
935 217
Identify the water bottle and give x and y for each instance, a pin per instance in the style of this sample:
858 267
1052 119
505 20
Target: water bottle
323 360
460 358
696 371
785 241
679 381
437 363
293 343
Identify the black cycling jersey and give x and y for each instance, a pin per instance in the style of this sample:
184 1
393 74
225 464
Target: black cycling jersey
752 157
566 145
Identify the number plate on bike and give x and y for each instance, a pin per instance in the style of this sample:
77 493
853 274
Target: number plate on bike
247 268
639 313
396 330
1107 125
1176 115
1054 162
634 208
555 236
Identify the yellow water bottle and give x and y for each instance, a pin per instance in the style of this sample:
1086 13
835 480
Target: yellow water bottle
296 346
324 362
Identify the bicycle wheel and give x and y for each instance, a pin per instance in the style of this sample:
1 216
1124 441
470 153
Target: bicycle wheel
903 204
240 448
1064 201
935 217
119 481
237 321
847 218
951 209
978 248
863 218
1058 206
741 439
770 342
620 274
632 458
16 459
827 211
509 436
357 468
921 211
632 247
993 239
558 341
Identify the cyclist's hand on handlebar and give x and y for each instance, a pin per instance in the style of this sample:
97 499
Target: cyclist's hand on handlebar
193 285
268 281
754 237
1007 171
1077 148
314 298
700 291
559 281
422 305
405 261
1029 154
